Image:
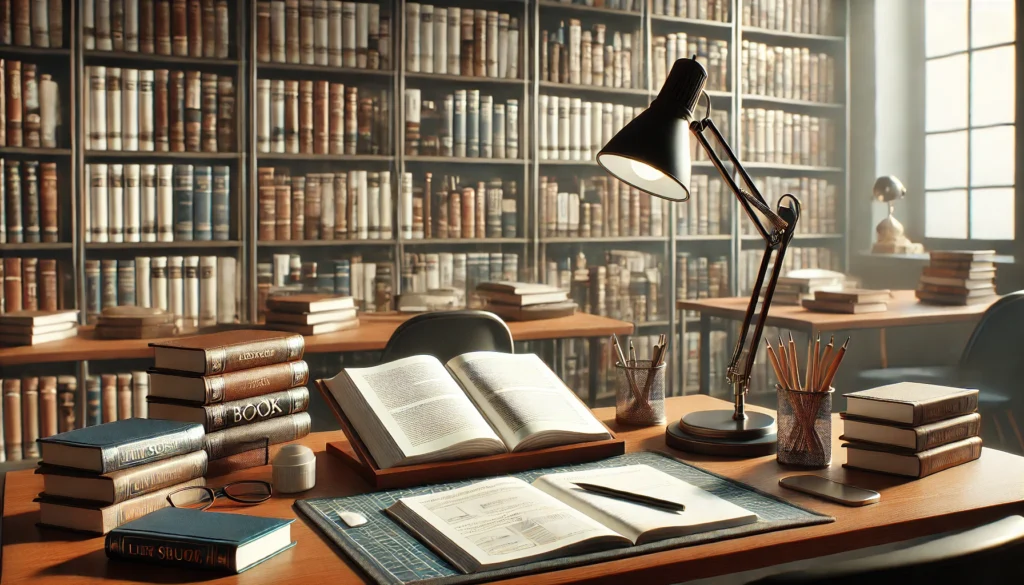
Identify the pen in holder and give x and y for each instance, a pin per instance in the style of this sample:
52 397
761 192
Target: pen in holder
640 393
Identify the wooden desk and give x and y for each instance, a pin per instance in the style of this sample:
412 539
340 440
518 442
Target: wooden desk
904 311
962 497
371 335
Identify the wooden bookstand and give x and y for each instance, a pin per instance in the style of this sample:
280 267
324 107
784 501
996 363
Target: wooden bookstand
356 455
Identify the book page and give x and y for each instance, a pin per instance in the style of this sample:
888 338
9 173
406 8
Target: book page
638 522
498 522
418 403
521 396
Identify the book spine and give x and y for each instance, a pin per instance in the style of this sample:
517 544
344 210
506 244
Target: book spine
227 291
140 390
126 282
124 396
282 207
249 436
193 111
949 456
133 483
14 104
176 116
151 449
30 102
108 399
67 391
161 113
170 551
12 418
255 409
298 208
207 294
202 203
351 120
48 291
158 282
225 114
942 435
165 203
93 291
132 203
182 184
221 202
30 416
92 401
175 289
29 284
108 283
945 408
190 292
30 205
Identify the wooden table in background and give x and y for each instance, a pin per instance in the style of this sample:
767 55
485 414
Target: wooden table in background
904 311
962 497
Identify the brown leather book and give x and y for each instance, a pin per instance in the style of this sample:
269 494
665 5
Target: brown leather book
309 303
116 24
48 202
912 403
208 128
245 460
22 23
209 29
217 417
30 416
193 110
122 485
129 316
49 296
266 204
228 351
147 32
161 110
298 208
292 37
30 284
108 397
223 24
30 191
47 406
306 115
124 396
14 111
263 31
913 439
12 418
351 120
336 132
230 387
226 114
256 435
162 27
179 28
67 392
12 285
176 110
31 124
321 117
924 463
314 208
282 207
85 517
12 196
291 115
3 100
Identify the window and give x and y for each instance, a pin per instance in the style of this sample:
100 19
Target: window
970 119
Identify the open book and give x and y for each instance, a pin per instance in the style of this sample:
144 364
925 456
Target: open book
417 410
505 521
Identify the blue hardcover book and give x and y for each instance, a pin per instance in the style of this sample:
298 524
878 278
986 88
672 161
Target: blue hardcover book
221 203
181 183
121 444
126 282
202 204
93 415
207 540
343 277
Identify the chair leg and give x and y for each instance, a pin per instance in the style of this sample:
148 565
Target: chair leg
1016 429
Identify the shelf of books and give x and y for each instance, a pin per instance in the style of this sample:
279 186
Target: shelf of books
200 161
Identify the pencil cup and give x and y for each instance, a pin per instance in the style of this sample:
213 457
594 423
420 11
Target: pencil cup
640 394
804 427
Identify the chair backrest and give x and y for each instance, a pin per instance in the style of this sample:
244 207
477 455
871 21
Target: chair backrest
447 334
991 358
987 554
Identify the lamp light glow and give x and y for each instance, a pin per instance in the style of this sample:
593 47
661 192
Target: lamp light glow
645 171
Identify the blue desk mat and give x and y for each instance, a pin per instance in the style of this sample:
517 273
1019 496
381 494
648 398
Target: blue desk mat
392 556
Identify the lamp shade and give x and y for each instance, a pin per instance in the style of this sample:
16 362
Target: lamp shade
652 152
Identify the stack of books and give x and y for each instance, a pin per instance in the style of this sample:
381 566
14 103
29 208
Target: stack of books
953 277
128 322
851 300
98 478
36 327
522 301
911 429
246 388
311 314
799 285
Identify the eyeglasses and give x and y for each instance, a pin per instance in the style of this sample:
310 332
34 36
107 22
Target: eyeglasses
201 498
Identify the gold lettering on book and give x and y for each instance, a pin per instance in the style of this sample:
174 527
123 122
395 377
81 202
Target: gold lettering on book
258 383
256 410
246 356
187 554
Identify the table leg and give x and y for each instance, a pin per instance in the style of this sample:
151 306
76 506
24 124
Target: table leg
882 348
705 354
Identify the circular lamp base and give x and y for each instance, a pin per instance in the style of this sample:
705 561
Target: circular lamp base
714 432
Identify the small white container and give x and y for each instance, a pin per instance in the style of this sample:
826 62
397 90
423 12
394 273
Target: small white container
294 469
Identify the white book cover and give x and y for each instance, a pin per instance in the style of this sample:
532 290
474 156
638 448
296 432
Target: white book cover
176 289
552 121
386 224
143 293
131 26
132 204
158 283
102 17
498 126
164 203
147 203
114 119
362 203
140 390
426 38
503 48
207 291
89 24
454 40
445 266
368 286
492 44
280 273
277 115
98 107
433 262
98 206
145 109
190 287
486 130
373 207
513 50
322 25
277 31
575 47
263 115
355 278
353 203
115 202
405 215
307 33
512 128
587 131
327 205
86 207
130 108
227 290
543 144
362 34
49 111
412 36
334 33
459 120
348 38
563 128
575 128
440 20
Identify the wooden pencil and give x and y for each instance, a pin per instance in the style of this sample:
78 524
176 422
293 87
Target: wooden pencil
824 363
808 379
816 367
774 359
794 365
826 383
784 362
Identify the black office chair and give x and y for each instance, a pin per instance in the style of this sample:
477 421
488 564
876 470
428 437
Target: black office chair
989 554
446 334
990 362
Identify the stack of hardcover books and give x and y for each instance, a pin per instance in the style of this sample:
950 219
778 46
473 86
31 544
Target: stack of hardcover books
522 301
129 322
911 429
851 300
36 327
963 277
98 478
246 388
798 285
311 314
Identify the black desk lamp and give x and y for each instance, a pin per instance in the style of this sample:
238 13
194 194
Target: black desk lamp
652 153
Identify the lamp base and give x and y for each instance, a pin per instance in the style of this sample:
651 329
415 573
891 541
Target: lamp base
715 432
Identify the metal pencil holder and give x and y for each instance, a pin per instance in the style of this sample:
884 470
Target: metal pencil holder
640 393
804 427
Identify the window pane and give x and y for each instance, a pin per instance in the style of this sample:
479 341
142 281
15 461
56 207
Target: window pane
992 214
945 214
945 160
946 93
992 86
945 26
992 22
992 156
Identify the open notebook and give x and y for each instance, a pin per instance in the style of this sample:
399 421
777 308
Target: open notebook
505 521
418 410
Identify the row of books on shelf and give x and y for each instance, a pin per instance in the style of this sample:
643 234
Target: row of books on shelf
29 284
157 203
320 117
160 110
787 72
199 291
701 277
29 106
815 17
626 286
819 202
468 124
715 10
595 57
201 28
777 136
42 25
709 209
598 207
797 258
461 41
28 202
39 406
334 33
457 208
713 54
575 129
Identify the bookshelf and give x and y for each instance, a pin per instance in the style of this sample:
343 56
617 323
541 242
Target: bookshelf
531 246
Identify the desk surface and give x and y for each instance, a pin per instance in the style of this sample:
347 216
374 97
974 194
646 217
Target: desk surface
371 335
904 310
964 496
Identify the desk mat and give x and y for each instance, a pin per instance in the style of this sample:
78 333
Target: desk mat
392 556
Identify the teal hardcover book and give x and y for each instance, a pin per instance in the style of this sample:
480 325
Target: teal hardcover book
121 444
206 540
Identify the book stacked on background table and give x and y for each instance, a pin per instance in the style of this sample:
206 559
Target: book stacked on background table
98 478
522 301
798 285
852 301
36 327
129 322
246 388
911 429
311 314
956 277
